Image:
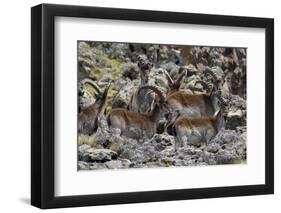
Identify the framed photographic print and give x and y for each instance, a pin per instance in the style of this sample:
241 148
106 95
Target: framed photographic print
139 106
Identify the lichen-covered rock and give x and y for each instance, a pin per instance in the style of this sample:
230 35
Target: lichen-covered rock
236 112
213 147
130 70
82 165
227 157
161 141
118 164
86 57
159 78
96 155
122 99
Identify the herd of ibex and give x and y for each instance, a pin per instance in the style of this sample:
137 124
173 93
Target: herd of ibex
190 116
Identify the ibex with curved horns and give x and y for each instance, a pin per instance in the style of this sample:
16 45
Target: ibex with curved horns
88 117
196 105
145 98
122 119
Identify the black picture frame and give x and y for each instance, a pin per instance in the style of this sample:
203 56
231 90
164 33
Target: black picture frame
43 105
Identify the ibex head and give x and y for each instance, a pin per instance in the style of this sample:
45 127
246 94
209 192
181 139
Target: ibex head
175 85
160 98
145 66
217 83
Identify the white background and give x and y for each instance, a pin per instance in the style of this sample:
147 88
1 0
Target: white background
70 182
15 106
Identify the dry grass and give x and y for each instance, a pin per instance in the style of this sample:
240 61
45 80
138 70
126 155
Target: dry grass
89 140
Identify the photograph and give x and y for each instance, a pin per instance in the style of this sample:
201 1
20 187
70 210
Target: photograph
133 105
160 105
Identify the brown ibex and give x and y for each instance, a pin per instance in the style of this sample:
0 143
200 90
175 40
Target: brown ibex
197 105
193 105
122 120
89 116
195 131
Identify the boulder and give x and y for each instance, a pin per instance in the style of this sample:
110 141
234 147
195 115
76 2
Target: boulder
86 57
96 155
122 99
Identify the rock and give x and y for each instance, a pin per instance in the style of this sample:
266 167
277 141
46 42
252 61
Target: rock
225 136
161 141
130 70
97 155
117 51
234 118
159 78
122 99
168 161
189 83
102 135
83 147
189 150
236 112
86 57
213 147
226 157
83 165
96 166
171 68
192 70
118 164
233 146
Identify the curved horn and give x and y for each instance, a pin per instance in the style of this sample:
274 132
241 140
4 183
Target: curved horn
235 57
92 83
210 72
107 88
218 95
170 80
155 89
204 84
184 73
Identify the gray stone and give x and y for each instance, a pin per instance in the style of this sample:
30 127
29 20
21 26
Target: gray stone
97 155
130 70
86 57
213 147
83 165
226 157
118 164
123 97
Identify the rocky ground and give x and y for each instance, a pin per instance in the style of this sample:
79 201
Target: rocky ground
118 62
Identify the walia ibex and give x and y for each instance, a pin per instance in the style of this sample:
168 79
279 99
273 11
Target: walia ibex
141 100
121 120
195 130
90 115
185 101
195 105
